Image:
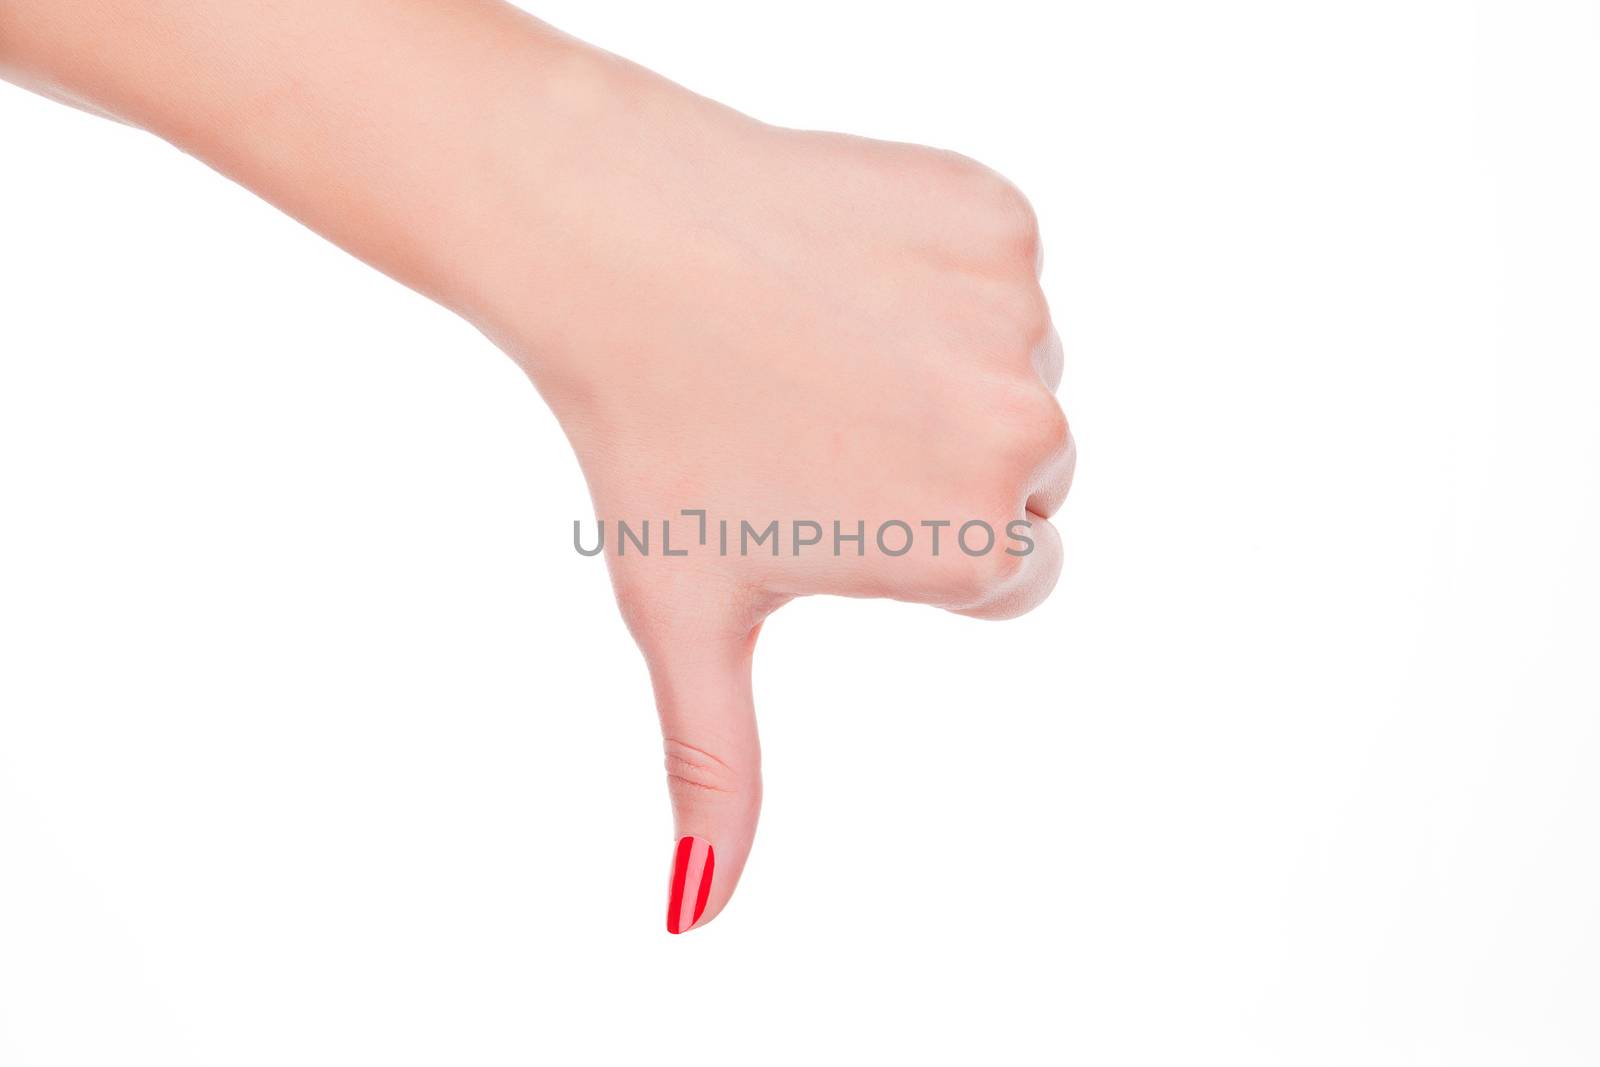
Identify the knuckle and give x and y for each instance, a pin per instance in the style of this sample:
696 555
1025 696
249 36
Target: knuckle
1053 431
1032 318
695 770
990 573
997 569
1007 221
1016 225
1015 585
1017 319
1039 321
978 564
1032 421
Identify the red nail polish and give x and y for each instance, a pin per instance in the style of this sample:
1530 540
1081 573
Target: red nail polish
691 883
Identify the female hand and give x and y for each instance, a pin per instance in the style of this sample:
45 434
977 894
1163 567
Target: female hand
737 325
743 325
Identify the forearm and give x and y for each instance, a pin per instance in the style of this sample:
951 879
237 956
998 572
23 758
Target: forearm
403 130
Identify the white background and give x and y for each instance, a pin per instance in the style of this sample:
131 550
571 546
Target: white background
319 745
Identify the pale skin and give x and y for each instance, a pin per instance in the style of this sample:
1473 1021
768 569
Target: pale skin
760 322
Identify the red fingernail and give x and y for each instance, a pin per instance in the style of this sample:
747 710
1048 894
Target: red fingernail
691 883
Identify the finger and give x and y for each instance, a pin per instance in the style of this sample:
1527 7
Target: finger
1049 360
1030 581
1053 480
701 676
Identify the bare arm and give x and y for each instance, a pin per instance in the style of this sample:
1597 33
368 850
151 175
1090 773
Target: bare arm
764 325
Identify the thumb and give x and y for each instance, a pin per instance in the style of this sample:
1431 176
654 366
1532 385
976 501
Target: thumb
713 763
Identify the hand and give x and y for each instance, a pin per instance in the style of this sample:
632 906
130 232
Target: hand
766 324
760 324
